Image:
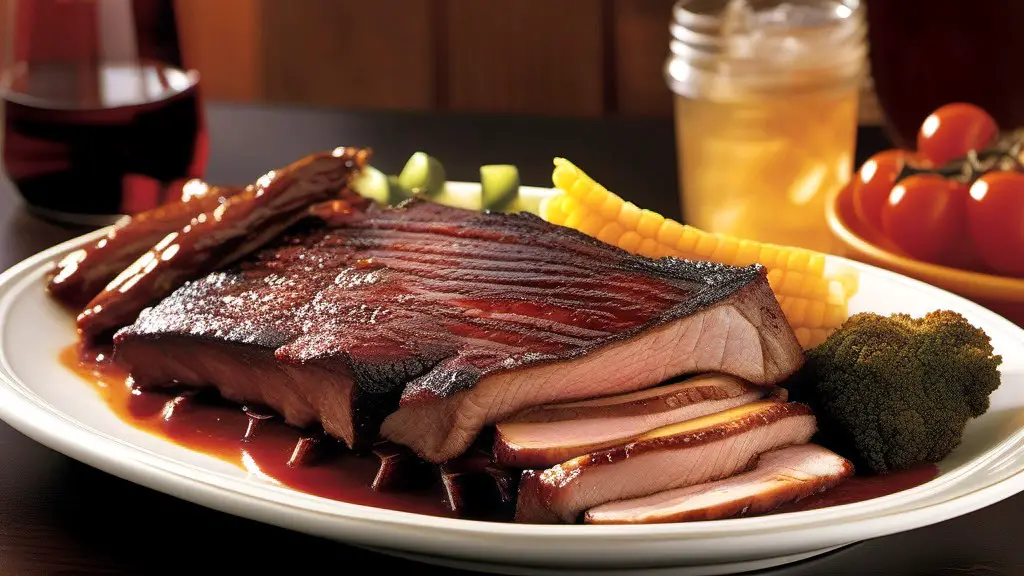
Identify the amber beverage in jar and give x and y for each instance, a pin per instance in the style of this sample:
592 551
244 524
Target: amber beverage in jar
926 55
100 117
766 102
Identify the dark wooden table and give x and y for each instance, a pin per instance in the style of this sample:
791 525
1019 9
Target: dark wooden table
61 517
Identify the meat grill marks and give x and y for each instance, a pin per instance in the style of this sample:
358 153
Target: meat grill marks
214 239
780 476
742 334
546 435
463 317
684 454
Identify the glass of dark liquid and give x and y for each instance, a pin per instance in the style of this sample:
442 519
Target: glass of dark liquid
101 118
927 54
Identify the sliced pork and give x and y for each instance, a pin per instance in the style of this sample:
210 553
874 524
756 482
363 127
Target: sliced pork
457 319
544 436
674 456
780 476
214 239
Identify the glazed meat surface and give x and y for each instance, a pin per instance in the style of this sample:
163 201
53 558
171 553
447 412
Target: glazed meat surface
424 323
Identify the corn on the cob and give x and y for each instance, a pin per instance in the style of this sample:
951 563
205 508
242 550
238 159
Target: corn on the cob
814 299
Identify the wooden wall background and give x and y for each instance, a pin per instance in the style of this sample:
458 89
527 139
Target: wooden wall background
564 57
557 57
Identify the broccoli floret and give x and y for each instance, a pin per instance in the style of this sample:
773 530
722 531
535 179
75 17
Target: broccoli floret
894 391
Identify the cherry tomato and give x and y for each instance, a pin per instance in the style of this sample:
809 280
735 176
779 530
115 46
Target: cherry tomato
953 130
924 215
995 216
873 183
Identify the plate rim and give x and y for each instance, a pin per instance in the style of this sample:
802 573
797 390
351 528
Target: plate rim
32 416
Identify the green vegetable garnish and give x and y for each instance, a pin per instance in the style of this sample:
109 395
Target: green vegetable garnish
469 198
397 191
422 174
373 184
894 391
498 184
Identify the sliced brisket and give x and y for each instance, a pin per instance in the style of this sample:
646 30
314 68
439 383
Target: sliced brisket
546 435
462 318
781 476
684 454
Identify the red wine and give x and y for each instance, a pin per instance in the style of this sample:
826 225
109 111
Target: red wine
84 141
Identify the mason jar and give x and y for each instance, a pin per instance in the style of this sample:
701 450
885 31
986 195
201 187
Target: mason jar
766 99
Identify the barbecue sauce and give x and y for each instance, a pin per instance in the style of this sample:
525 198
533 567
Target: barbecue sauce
261 443
860 488
250 438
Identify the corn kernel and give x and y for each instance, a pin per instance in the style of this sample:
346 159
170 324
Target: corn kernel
648 247
747 253
666 250
611 232
769 255
706 245
804 337
629 216
798 311
574 218
836 293
612 207
595 198
798 260
570 204
669 233
816 265
630 241
818 336
649 224
592 224
687 243
815 314
563 176
835 315
726 250
791 282
549 206
580 189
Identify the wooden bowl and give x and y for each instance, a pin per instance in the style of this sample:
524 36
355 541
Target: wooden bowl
1001 294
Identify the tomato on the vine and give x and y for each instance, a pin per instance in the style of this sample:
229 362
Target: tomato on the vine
995 215
924 215
872 185
953 130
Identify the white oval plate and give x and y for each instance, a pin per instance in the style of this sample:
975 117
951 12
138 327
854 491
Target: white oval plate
50 404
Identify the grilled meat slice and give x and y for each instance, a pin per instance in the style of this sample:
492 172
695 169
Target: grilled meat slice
678 455
465 317
544 436
242 224
741 333
83 274
780 476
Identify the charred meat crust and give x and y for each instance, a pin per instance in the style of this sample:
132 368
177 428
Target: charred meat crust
523 292
210 241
